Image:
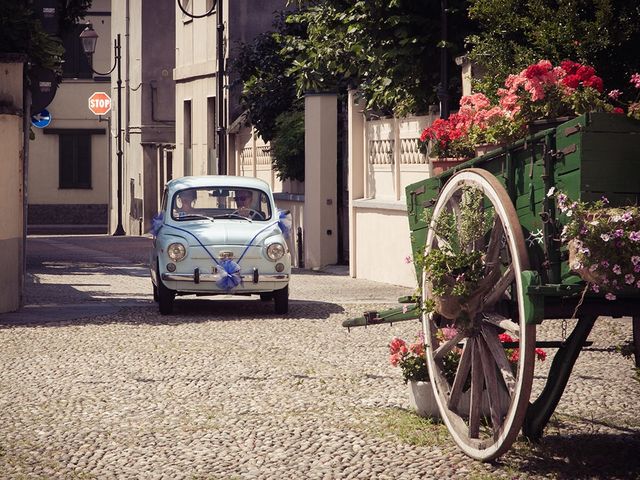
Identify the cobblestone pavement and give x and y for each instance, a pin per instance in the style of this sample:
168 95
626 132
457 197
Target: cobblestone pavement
94 383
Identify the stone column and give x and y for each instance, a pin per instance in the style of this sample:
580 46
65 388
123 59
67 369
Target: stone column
356 139
321 176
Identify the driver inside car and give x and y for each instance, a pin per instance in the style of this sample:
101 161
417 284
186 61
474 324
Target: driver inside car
244 202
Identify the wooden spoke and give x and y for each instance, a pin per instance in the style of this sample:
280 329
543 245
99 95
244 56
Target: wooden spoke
446 347
491 382
475 407
497 320
464 365
493 249
442 243
496 293
497 352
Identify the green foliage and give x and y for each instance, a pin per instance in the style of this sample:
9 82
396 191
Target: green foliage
261 67
288 146
516 33
409 428
389 49
22 32
456 267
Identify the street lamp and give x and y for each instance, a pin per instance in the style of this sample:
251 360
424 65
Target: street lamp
443 87
89 38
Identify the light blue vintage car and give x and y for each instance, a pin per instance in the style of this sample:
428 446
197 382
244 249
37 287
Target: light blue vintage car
220 235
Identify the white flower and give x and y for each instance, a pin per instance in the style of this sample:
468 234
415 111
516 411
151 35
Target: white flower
551 191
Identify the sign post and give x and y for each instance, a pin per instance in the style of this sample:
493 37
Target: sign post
99 103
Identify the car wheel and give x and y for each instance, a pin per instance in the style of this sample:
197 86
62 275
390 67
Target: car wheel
155 292
266 297
165 297
281 298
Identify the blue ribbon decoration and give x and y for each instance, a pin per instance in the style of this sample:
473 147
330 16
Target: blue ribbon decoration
285 222
231 277
156 223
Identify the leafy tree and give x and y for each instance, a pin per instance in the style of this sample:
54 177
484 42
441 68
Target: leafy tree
388 48
267 91
269 96
515 33
22 32
288 145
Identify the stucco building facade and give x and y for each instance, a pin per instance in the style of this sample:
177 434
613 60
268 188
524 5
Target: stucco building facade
69 169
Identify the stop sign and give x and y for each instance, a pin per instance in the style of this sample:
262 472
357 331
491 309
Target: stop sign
99 103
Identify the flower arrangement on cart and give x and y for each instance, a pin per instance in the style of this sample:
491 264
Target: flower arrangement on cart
460 267
539 93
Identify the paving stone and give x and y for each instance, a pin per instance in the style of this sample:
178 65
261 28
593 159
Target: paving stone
99 385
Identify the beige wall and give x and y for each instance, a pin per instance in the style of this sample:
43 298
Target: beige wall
384 157
197 91
69 109
195 76
382 243
11 187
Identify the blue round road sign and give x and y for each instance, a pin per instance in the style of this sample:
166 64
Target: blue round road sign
42 119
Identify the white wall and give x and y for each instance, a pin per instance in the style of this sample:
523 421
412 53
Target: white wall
384 157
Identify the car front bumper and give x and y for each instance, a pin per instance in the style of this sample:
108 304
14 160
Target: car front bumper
250 278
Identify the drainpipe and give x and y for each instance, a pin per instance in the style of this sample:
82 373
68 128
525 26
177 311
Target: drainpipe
222 133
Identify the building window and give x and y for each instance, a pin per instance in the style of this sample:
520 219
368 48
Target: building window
188 161
75 160
76 63
212 165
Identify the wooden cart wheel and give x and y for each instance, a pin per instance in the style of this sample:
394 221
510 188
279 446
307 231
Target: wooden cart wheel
496 384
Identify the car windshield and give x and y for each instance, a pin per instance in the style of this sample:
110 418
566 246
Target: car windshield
235 203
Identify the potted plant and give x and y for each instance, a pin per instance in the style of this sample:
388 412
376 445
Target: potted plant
455 271
603 243
410 358
447 142
632 106
542 94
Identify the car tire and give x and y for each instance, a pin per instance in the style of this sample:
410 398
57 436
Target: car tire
155 292
281 299
266 296
165 297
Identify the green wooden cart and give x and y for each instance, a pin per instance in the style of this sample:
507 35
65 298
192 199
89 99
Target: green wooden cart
586 158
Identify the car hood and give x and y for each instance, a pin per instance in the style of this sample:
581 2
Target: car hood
224 232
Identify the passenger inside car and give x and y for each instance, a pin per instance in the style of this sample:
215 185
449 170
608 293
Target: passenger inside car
185 202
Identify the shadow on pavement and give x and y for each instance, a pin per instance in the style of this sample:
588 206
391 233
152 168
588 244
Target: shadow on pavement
592 456
145 311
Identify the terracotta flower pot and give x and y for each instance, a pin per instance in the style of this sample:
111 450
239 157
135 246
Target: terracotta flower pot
484 148
440 165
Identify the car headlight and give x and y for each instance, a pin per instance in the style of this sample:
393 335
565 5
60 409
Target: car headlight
275 251
176 251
